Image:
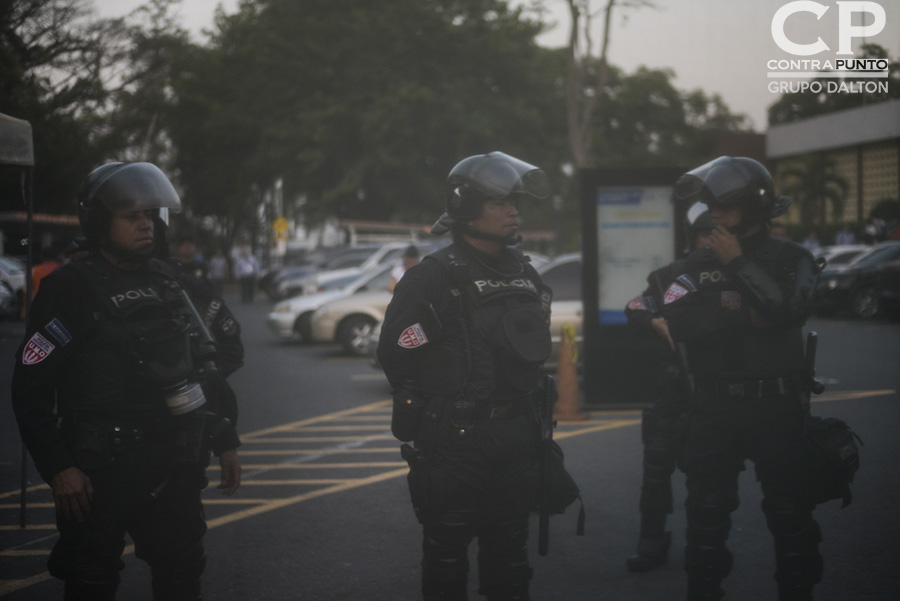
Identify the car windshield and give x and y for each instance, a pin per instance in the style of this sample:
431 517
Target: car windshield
844 257
878 255
11 266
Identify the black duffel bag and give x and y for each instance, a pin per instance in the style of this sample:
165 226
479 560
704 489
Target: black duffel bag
834 457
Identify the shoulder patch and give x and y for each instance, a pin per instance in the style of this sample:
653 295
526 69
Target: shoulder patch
37 349
687 281
413 336
58 331
674 292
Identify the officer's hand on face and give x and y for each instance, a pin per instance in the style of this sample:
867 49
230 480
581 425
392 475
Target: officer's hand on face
724 244
231 472
661 327
72 494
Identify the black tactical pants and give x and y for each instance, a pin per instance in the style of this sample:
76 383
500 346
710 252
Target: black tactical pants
167 531
723 433
662 433
480 484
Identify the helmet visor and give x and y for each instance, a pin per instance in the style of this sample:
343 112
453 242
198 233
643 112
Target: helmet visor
498 175
137 187
721 181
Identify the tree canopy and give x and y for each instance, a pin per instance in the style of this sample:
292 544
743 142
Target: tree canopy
330 108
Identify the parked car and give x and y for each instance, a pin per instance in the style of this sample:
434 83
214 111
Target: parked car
283 282
351 320
840 254
12 276
852 287
563 275
8 304
887 289
386 253
290 319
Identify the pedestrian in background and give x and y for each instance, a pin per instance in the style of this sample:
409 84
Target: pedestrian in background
410 258
845 236
246 269
739 306
218 272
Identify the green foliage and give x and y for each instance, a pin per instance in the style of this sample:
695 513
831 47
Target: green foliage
351 109
53 62
642 120
814 183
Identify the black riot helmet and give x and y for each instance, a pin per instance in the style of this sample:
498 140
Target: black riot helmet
734 181
483 177
114 187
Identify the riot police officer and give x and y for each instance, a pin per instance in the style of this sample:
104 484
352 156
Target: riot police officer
462 344
662 425
118 396
739 305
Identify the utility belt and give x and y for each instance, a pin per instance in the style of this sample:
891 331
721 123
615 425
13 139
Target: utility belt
96 443
752 388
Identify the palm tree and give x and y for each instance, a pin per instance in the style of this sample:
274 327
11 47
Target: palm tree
813 183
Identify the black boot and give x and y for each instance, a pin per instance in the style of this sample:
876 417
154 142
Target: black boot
651 553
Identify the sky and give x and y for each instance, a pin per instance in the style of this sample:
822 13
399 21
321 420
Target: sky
720 46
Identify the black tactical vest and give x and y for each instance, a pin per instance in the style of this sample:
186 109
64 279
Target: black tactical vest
504 325
139 337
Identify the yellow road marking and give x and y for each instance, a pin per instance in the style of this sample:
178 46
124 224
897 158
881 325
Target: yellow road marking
25 553
314 466
332 486
13 493
290 439
846 395
360 450
356 428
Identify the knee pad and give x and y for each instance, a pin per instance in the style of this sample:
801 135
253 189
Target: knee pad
710 511
708 562
503 570
797 536
445 564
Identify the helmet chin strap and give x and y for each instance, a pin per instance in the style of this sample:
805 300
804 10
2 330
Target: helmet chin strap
510 240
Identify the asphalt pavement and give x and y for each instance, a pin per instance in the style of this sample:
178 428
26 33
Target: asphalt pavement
324 513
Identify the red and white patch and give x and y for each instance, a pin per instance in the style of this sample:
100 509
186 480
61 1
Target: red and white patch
637 304
674 292
413 336
731 299
37 349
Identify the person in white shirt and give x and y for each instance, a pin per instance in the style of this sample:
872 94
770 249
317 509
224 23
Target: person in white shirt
246 268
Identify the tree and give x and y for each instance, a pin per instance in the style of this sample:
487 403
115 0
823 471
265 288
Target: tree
643 120
54 63
814 184
587 74
360 109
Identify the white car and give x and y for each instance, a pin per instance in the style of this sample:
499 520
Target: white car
388 253
350 320
12 276
837 257
290 319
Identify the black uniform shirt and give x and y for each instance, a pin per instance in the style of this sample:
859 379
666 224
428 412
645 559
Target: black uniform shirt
708 306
